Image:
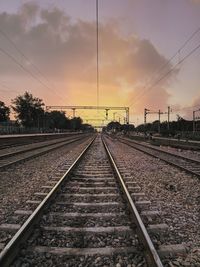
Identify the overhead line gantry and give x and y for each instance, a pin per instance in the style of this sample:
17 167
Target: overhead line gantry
106 108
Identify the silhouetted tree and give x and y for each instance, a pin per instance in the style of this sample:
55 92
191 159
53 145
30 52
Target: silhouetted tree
76 123
127 127
117 127
113 125
56 120
181 125
87 127
4 112
29 110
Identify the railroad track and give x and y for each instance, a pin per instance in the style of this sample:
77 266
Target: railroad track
33 150
12 141
189 165
85 218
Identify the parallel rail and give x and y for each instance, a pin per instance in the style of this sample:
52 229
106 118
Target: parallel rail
9 159
186 164
12 141
32 147
152 257
10 251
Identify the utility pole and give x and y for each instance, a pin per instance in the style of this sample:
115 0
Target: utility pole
194 119
147 111
114 116
168 118
74 112
159 121
159 113
194 122
145 116
107 113
127 115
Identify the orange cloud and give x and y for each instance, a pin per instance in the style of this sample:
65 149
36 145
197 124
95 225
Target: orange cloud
66 52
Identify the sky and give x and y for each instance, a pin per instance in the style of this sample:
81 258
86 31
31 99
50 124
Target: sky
49 49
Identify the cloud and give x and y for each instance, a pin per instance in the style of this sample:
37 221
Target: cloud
188 111
66 52
195 1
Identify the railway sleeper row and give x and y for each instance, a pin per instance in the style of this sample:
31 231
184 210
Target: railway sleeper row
15 158
152 218
186 164
88 223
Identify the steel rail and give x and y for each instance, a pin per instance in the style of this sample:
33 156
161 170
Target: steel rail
10 251
10 140
184 141
151 254
38 145
40 153
160 150
132 143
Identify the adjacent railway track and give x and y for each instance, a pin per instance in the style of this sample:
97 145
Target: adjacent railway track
88 211
17 140
189 165
30 151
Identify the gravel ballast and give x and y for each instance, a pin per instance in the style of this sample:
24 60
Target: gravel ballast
175 193
20 182
101 240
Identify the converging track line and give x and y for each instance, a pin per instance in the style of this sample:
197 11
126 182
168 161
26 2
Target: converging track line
35 150
186 164
88 211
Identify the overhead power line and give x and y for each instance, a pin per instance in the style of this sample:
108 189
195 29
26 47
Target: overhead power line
97 48
142 93
22 54
34 76
22 67
179 50
186 108
166 74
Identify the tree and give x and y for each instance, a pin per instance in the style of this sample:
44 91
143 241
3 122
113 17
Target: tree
87 127
76 123
57 120
29 110
4 112
113 125
127 128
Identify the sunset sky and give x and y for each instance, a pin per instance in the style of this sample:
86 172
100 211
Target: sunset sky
49 49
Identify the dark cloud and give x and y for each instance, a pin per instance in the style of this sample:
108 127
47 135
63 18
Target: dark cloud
67 50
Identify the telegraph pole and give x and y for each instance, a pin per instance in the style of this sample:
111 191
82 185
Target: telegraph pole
168 118
107 113
147 111
194 119
74 112
145 119
145 116
127 115
114 116
194 128
159 112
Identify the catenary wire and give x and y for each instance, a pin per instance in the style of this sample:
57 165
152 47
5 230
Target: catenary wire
168 61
